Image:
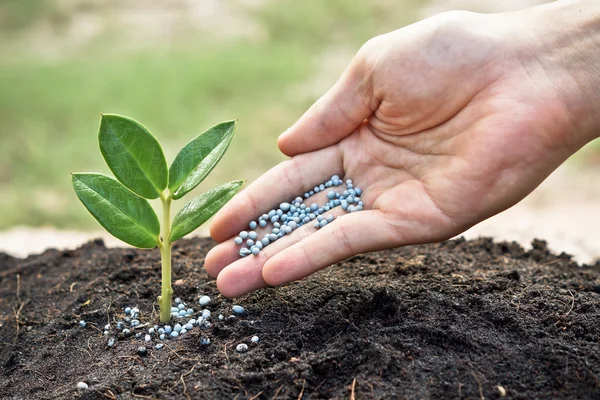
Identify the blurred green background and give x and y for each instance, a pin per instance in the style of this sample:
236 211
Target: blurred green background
176 66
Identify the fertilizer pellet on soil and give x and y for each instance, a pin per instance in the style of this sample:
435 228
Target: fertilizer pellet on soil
205 300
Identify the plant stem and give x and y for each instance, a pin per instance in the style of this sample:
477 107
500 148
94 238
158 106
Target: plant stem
164 300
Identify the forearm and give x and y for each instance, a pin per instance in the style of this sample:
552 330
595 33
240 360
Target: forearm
566 44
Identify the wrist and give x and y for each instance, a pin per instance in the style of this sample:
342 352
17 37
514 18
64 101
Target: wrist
564 45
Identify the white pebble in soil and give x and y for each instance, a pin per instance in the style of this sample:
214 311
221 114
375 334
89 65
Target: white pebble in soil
82 385
241 348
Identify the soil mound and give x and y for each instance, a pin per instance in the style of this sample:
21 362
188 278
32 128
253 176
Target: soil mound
459 319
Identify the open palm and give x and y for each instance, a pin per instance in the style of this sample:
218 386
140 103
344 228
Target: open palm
442 124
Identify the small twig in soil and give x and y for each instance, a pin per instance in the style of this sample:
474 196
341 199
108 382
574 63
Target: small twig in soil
185 393
17 310
319 385
277 392
572 303
256 395
154 313
92 284
55 288
183 383
352 390
225 349
183 358
89 346
108 311
302 391
137 359
552 262
13 271
93 326
478 385
72 286
141 396
109 395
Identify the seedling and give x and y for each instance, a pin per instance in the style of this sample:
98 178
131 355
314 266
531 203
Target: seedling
137 160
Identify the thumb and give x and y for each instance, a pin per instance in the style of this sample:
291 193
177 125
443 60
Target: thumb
335 115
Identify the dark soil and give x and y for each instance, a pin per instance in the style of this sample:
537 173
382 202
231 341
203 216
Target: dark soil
460 319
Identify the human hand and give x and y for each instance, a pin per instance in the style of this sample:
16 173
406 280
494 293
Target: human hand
442 124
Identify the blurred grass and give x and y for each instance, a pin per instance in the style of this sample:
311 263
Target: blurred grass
18 14
50 106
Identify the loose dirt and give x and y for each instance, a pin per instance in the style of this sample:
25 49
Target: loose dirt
460 319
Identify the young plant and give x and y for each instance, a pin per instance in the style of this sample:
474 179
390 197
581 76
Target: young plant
137 160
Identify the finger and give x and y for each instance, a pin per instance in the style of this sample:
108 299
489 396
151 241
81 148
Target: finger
348 235
283 182
220 256
335 115
245 274
226 253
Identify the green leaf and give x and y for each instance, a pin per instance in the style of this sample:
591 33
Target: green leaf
199 210
123 214
199 157
133 154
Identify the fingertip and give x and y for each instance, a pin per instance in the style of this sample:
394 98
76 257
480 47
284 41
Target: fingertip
224 286
240 278
220 257
270 275
284 142
210 263
213 231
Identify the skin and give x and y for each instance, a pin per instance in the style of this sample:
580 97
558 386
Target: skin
443 124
